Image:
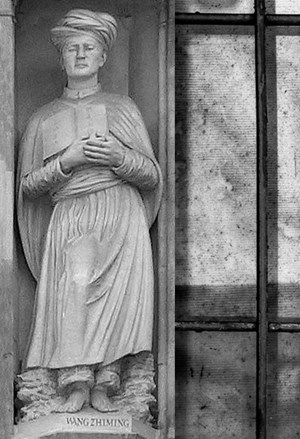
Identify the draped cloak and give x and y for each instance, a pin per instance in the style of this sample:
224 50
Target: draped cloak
87 245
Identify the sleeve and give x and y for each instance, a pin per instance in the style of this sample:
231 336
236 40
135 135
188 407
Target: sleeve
138 170
40 181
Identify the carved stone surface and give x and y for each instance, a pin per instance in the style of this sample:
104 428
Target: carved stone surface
89 189
137 386
37 390
7 274
86 422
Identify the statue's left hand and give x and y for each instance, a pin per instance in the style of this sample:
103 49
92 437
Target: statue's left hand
104 151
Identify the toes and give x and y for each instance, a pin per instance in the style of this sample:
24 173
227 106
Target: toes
72 409
113 409
60 409
104 408
101 402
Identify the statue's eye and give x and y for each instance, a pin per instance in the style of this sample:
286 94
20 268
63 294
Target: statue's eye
71 49
90 48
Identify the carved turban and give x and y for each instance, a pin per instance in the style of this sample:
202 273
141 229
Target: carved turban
99 25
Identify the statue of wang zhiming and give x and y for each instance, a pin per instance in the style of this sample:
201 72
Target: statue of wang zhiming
89 189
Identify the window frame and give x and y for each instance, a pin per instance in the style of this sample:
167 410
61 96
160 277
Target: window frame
260 20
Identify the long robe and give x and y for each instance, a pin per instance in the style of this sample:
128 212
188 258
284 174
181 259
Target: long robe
86 241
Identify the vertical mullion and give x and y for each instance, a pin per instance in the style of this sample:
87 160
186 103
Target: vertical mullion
262 323
7 257
166 226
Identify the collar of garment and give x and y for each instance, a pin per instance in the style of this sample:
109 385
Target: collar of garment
80 94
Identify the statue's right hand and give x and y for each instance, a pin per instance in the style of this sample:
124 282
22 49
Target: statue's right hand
73 156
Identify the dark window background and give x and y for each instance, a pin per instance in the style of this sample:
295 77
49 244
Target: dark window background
237 219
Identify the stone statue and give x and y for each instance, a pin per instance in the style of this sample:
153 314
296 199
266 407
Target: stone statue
89 189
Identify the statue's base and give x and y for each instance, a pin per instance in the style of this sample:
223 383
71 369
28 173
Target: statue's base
88 424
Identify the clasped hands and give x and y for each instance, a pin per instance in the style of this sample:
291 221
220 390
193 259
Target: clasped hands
100 150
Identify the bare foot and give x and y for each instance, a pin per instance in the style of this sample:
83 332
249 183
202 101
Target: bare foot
100 401
78 396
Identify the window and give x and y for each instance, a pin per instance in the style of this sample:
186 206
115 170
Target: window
237 223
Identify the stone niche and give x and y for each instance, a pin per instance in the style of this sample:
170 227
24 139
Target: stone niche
139 66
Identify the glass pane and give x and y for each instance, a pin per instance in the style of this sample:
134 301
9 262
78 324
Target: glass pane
215 171
284 174
283 6
215 385
284 390
216 6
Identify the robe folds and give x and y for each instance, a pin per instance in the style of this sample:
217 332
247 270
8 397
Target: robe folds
86 240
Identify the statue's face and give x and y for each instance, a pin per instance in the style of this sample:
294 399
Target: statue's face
82 56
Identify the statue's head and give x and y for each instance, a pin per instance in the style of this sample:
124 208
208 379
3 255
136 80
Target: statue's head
83 39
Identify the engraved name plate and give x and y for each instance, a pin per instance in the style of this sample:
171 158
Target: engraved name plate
102 423
85 421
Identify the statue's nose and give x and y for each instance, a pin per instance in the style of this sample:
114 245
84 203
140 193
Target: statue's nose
80 52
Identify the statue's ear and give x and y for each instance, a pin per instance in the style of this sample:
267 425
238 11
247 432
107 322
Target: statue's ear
103 58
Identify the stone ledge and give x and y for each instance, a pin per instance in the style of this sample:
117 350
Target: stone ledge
88 424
